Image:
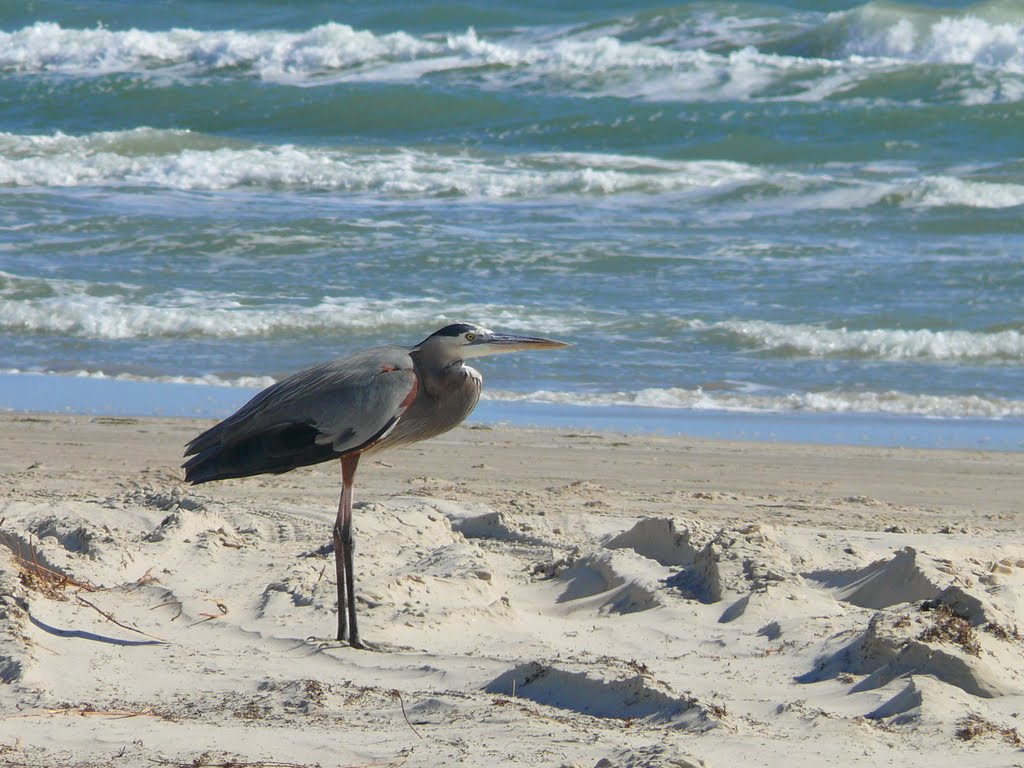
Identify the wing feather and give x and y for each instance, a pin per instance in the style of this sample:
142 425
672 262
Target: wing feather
346 404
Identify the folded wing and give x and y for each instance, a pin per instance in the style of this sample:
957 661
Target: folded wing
318 414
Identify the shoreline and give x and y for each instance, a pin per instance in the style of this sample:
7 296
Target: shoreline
953 480
42 393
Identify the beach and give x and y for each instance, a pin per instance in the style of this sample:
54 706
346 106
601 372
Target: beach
764 509
535 597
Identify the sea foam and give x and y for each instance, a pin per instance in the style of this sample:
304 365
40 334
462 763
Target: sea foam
694 60
916 35
878 343
185 161
893 403
739 400
109 311
48 47
73 308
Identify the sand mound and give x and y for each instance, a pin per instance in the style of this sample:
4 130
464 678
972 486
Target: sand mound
653 756
80 542
608 581
905 577
199 528
964 634
637 696
658 539
15 654
163 499
735 564
895 646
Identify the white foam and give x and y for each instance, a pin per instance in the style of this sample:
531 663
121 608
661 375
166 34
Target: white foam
739 400
889 402
942 191
879 343
71 308
576 62
680 64
111 311
210 379
48 47
903 34
184 161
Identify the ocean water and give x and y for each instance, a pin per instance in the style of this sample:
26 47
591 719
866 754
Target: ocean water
771 208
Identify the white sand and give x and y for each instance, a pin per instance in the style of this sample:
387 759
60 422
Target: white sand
541 599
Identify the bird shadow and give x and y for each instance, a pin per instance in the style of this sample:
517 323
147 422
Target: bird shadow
83 635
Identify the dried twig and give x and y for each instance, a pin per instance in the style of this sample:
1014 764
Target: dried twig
396 694
144 580
221 606
111 619
36 575
169 602
86 711
200 762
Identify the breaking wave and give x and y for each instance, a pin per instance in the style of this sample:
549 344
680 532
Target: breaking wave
879 343
183 160
72 308
684 54
919 35
739 400
890 402
107 311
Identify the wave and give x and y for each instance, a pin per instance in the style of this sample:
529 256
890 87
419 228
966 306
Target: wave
684 55
49 47
187 161
890 402
949 191
208 380
75 308
111 311
740 400
878 344
582 63
899 32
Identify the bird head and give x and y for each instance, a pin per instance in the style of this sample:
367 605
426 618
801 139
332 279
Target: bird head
460 341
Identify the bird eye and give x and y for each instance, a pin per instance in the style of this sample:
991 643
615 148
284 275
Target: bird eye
470 336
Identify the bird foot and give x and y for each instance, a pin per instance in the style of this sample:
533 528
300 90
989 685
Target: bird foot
362 645
357 643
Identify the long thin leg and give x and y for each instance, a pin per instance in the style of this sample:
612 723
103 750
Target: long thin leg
344 511
350 585
344 545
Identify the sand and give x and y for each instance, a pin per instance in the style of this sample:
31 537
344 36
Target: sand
538 598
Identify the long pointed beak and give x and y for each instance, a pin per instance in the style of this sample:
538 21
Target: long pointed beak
498 343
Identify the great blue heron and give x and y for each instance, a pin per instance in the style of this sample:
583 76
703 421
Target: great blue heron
366 402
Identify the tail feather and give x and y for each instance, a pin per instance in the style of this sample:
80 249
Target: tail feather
273 451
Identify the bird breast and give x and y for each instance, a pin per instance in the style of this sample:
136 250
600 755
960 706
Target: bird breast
444 401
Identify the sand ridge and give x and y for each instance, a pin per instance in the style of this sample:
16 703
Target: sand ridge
539 597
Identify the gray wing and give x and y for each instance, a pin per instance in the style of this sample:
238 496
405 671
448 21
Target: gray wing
311 416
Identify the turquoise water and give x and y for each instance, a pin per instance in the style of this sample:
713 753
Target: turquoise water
770 209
